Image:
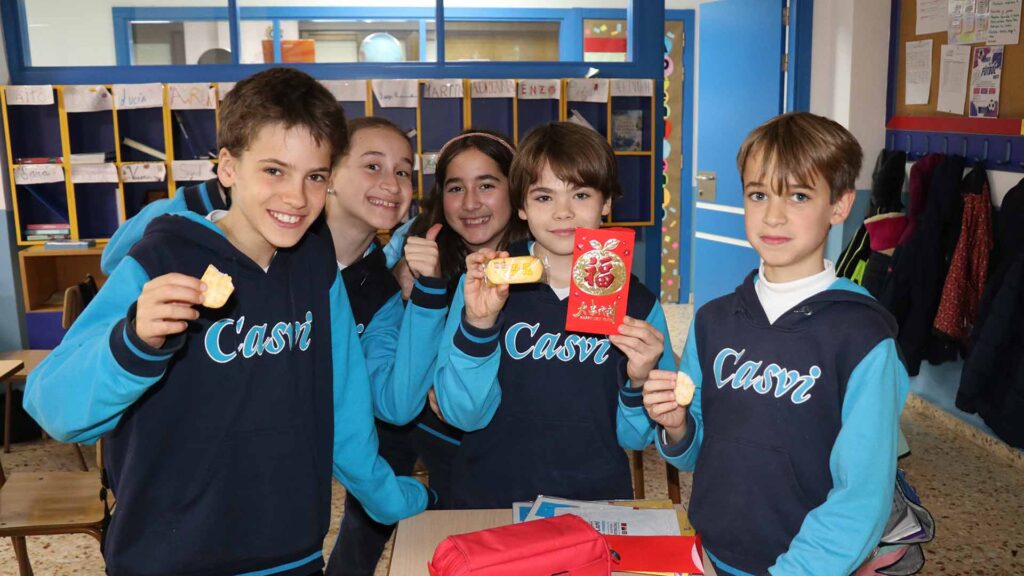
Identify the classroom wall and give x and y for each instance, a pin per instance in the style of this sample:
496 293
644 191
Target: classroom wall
849 75
78 33
10 312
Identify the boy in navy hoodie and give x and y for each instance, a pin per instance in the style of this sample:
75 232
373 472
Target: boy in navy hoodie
792 428
546 411
222 426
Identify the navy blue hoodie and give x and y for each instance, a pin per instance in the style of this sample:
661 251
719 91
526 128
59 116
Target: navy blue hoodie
221 444
792 430
545 411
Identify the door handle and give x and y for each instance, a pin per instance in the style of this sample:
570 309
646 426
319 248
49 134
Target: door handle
707 185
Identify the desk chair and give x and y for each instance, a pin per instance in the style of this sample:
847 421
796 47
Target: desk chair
45 503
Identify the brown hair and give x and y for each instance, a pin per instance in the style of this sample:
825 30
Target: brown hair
451 246
280 96
576 154
367 123
803 147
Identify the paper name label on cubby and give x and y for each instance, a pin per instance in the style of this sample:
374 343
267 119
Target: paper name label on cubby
632 87
38 95
587 90
193 96
193 170
93 173
38 173
223 88
346 90
87 99
395 93
492 88
540 89
429 162
148 172
442 88
132 96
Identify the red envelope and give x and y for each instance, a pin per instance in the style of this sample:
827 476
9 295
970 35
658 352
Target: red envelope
601 263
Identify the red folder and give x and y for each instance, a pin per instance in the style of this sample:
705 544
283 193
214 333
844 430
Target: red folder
656 554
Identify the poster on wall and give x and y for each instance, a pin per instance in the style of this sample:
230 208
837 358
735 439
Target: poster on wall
963 21
671 166
986 71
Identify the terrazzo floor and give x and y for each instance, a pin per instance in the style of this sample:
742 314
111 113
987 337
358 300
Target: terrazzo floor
972 484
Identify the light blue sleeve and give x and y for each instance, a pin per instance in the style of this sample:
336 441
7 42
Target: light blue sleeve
357 464
466 377
838 535
400 345
683 455
131 231
393 249
634 428
101 367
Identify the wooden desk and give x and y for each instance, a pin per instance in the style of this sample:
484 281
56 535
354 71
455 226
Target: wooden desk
418 536
26 361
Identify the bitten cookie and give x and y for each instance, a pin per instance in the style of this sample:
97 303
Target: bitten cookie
218 287
684 389
514 270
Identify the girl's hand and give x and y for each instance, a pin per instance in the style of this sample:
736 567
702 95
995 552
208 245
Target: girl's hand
660 403
642 344
484 300
422 254
165 306
403 274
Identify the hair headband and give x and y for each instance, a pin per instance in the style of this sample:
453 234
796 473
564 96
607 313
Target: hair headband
482 134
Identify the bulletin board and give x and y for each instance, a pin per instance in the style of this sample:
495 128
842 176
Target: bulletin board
1011 99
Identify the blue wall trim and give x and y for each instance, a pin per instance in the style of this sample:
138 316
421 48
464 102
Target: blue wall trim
722 223
801 20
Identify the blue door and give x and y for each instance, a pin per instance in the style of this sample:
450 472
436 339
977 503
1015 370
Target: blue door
740 85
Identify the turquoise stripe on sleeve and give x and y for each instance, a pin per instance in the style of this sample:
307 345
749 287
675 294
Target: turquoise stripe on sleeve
429 290
477 339
135 350
285 567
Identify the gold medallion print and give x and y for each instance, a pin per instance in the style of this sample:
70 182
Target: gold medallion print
600 272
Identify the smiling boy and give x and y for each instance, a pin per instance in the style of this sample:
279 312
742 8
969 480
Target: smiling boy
792 428
222 426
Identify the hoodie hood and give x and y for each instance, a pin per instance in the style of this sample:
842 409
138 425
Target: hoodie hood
841 291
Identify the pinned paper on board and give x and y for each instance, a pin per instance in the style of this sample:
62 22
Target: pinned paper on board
94 173
346 90
135 96
492 88
395 93
36 95
540 89
87 98
38 173
919 72
191 96
587 90
193 170
429 162
144 172
954 67
442 88
632 87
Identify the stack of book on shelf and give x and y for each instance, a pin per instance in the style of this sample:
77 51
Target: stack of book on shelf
69 244
57 231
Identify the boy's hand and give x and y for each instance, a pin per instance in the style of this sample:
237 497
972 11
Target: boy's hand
484 300
642 344
403 274
165 306
661 405
422 254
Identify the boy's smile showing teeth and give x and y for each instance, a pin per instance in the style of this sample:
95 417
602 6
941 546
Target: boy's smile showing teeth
283 218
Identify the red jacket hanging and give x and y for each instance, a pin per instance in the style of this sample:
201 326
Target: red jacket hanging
968 270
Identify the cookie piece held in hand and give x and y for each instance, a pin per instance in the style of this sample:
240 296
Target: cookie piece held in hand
684 389
218 287
514 270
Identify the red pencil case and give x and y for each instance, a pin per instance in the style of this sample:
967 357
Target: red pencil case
564 545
